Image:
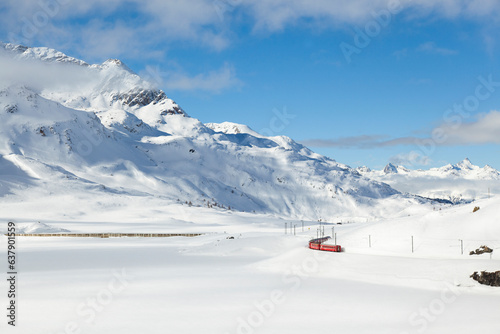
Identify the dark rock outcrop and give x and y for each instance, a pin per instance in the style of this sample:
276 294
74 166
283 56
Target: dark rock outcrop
146 97
487 278
11 109
481 250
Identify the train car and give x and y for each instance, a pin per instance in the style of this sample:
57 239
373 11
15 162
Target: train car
330 248
318 244
314 245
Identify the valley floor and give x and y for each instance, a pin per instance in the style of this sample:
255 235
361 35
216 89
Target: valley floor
262 281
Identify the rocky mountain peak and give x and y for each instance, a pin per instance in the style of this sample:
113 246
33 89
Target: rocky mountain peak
390 169
116 63
466 164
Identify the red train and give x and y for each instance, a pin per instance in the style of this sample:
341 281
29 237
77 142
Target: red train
318 244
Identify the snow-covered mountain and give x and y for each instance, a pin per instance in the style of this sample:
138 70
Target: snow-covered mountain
462 181
462 170
70 127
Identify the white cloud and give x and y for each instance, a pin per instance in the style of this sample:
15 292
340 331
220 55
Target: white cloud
181 18
400 53
410 159
482 7
213 81
200 21
102 28
431 47
107 41
363 141
275 15
484 130
38 75
44 75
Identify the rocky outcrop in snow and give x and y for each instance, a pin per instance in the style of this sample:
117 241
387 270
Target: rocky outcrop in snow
487 278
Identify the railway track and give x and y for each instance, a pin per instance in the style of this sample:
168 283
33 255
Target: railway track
109 235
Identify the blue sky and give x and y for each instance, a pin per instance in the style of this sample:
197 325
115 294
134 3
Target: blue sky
362 81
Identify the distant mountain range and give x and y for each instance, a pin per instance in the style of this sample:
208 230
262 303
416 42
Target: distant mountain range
464 169
462 181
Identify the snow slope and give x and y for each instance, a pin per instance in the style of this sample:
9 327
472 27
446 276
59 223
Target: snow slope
108 130
463 181
262 281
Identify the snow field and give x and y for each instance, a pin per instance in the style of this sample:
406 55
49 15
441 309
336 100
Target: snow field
263 281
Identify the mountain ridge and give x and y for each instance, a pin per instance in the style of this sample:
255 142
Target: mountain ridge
458 182
462 169
109 131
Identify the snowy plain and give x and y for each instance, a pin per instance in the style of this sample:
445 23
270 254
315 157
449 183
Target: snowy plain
262 281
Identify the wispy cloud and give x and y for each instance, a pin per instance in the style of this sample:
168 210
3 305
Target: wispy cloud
410 159
431 47
484 129
114 26
360 142
101 41
214 81
38 75
147 24
345 142
400 53
276 15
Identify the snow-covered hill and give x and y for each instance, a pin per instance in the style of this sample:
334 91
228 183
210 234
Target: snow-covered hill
103 129
462 181
245 268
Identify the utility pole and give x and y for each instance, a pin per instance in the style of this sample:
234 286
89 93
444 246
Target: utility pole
335 239
302 226
286 228
412 243
461 246
294 229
